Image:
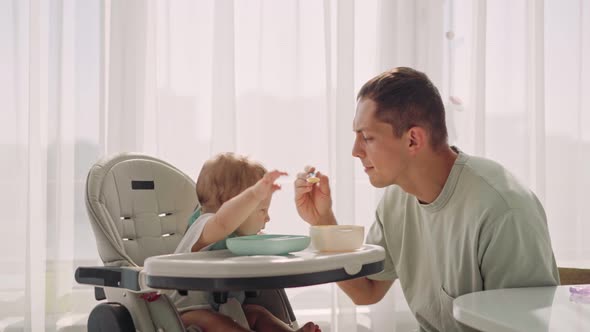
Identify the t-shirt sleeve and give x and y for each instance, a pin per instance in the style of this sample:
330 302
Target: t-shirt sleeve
376 236
515 251
193 234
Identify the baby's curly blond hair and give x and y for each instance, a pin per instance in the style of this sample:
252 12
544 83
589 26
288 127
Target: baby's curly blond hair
225 176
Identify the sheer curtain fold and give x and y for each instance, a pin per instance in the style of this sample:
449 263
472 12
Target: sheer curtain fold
183 80
127 73
223 83
61 194
583 125
535 98
36 168
342 165
478 76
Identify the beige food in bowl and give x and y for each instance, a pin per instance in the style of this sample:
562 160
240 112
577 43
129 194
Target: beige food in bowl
337 237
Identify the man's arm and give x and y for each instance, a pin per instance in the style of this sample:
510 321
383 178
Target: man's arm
515 251
365 291
314 205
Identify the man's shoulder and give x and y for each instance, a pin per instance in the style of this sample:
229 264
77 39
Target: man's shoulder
488 179
482 174
484 168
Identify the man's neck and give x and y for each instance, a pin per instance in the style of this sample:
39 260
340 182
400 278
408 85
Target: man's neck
428 175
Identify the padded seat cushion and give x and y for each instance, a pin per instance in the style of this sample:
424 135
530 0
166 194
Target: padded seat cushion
139 207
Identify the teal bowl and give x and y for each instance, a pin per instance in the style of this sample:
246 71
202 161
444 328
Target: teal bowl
267 244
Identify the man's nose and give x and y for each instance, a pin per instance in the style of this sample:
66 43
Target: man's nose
357 151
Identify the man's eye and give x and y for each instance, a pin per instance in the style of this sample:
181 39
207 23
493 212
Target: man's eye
367 138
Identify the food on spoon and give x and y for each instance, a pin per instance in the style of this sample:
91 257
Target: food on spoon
311 178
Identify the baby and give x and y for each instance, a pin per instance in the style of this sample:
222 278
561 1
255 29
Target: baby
235 195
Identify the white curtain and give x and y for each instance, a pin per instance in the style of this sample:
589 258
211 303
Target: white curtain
521 70
275 80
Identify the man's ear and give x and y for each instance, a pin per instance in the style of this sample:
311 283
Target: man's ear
417 139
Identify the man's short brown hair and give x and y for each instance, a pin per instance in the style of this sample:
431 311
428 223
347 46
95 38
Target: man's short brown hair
225 176
406 98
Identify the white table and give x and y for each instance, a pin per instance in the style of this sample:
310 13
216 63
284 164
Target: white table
524 309
222 271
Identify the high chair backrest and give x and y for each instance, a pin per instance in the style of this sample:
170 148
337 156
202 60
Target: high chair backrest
138 207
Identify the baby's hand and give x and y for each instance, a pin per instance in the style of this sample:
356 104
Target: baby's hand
266 186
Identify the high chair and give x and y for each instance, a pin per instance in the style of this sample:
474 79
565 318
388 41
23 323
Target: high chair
139 207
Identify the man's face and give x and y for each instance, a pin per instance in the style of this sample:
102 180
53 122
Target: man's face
256 220
383 155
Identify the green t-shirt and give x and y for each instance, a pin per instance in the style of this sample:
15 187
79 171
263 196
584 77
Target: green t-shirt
484 231
196 214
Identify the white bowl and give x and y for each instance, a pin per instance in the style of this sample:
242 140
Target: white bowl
337 237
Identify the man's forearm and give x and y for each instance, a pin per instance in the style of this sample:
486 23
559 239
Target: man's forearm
364 291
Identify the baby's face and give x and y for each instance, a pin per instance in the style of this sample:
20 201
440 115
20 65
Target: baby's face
255 221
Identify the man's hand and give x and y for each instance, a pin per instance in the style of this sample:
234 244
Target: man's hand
313 200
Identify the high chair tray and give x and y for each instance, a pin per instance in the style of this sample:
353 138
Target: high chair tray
224 271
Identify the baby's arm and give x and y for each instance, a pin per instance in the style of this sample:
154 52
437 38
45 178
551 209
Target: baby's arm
236 210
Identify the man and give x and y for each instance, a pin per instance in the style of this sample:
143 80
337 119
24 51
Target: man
450 223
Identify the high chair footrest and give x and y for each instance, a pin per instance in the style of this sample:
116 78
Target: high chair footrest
116 277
